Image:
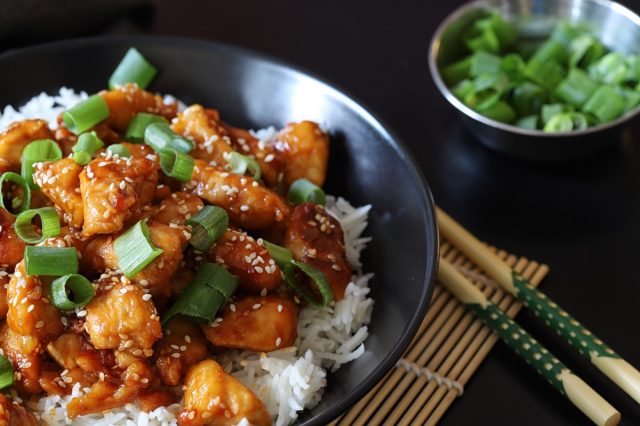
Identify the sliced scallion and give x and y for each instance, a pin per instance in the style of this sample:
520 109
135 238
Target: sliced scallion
38 151
319 279
50 224
176 164
71 291
135 250
25 200
210 289
281 255
160 137
6 372
133 68
207 226
86 114
119 149
239 164
576 88
88 143
51 261
139 123
610 69
606 104
303 190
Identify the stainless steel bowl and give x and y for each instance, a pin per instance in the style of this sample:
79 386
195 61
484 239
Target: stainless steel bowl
617 27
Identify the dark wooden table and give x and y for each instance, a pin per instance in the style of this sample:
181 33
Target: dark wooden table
582 219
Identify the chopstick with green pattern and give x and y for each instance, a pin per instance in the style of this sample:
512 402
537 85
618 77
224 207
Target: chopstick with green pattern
529 349
626 376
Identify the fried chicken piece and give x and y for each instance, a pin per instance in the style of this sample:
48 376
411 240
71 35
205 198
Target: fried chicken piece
122 317
213 397
24 354
177 208
60 182
17 137
247 259
14 414
316 238
30 312
127 101
248 204
4 284
204 128
157 275
303 151
257 323
103 396
184 338
11 247
114 191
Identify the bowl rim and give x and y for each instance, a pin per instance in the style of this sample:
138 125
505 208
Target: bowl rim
428 213
434 48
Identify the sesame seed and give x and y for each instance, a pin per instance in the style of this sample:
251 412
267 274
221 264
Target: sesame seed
30 308
256 306
175 355
82 313
187 338
244 208
146 297
278 341
263 292
232 307
40 324
280 308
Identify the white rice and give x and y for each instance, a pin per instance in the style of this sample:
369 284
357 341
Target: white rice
288 380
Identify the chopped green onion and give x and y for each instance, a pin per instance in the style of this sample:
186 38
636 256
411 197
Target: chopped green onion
551 50
633 69
41 150
52 261
63 287
86 114
513 66
606 104
576 88
610 69
486 41
530 122
463 90
139 123
6 372
504 32
211 288
564 33
632 97
25 201
135 250
48 218
585 50
316 276
207 226
87 144
133 68
198 302
303 190
545 73
82 158
176 164
483 63
281 255
239 164
500 111
566 122
527 99
119 149
550 110
456 72
488 89
159 136
217 277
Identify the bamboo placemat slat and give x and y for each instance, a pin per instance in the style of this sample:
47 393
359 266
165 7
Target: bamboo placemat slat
448 348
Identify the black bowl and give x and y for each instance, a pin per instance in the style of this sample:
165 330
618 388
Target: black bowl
368 166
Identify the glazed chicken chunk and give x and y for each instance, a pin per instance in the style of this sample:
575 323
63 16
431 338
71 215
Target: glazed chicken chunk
243 324
17 137
11 247
60 182
122 316
182 346
212 397
127 101
114 191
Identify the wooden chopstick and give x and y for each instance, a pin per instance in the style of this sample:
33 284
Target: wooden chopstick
575 389
626 376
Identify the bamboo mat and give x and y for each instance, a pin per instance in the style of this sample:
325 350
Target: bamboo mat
448 348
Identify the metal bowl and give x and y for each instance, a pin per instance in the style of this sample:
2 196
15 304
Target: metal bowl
617 27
